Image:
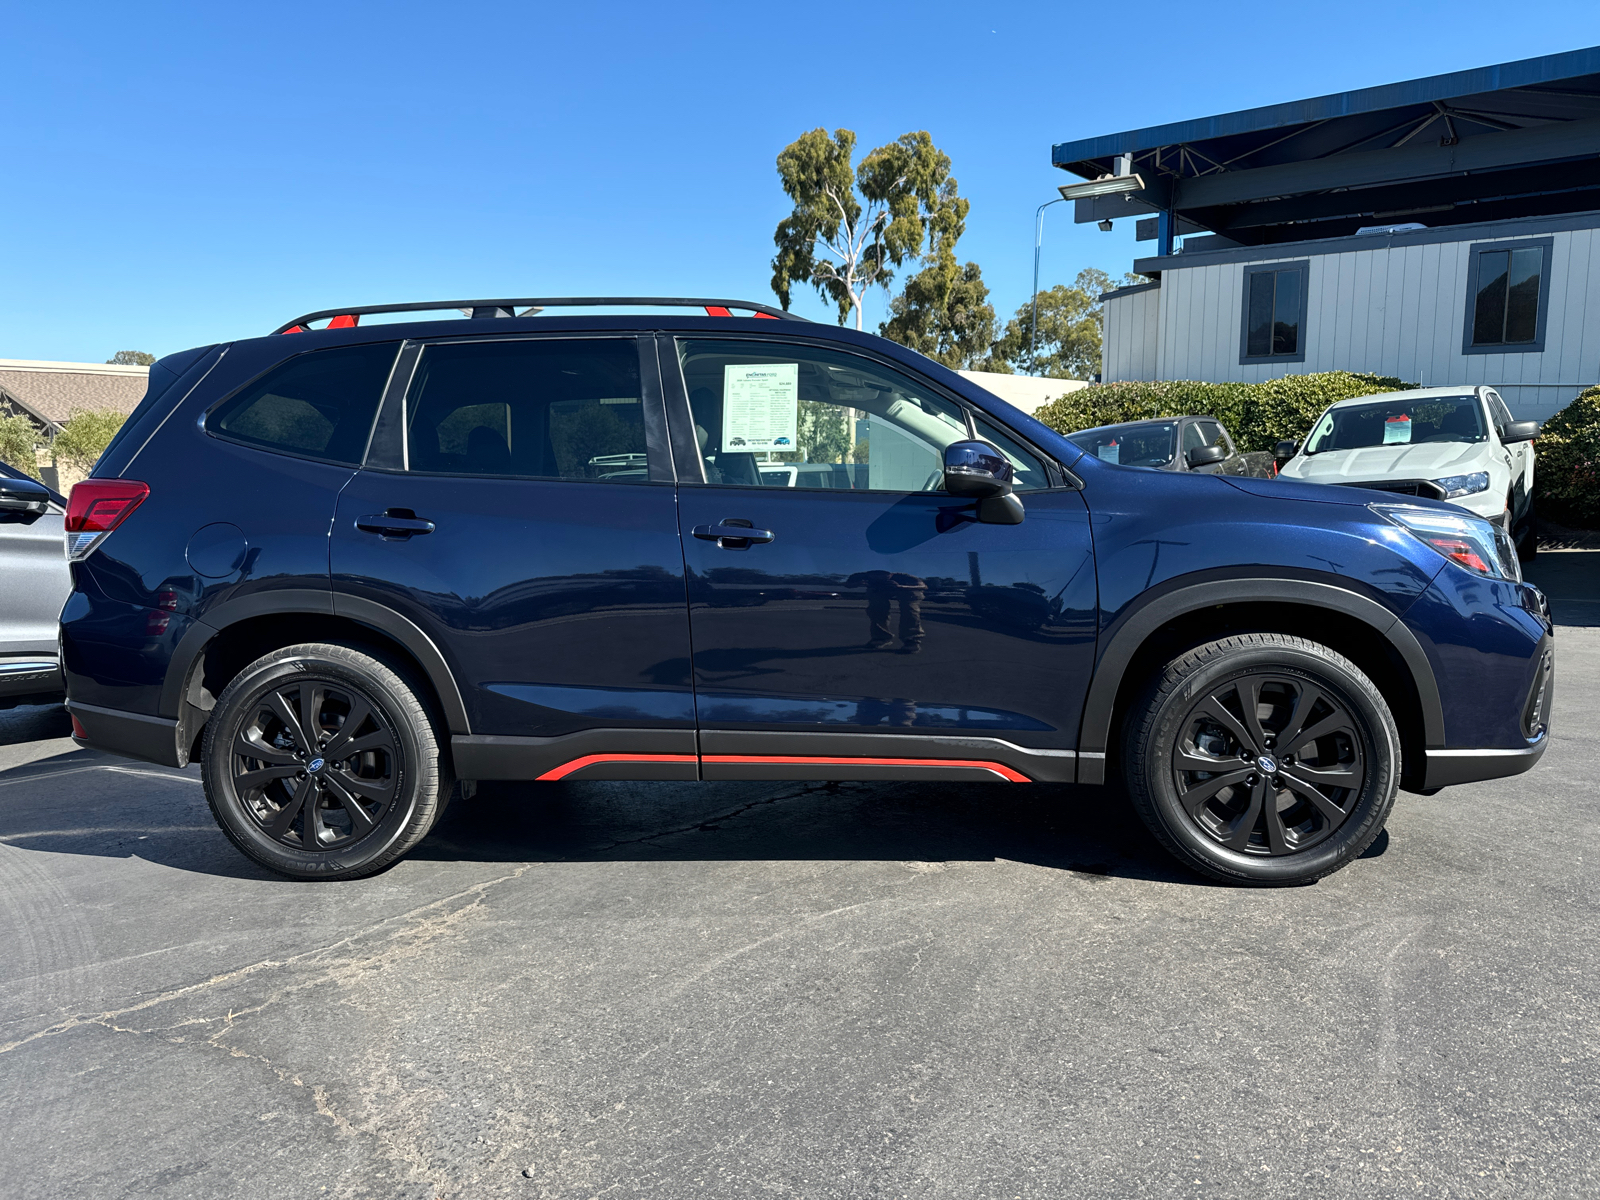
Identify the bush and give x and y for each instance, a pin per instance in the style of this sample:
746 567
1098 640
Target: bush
84 437
19 444
1566 472
1258 415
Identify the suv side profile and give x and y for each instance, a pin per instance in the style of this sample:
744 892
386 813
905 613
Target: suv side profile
350 568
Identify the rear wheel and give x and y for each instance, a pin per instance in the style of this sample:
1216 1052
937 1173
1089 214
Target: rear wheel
321 762
1262 758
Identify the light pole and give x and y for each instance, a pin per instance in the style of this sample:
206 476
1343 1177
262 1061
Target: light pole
1038 239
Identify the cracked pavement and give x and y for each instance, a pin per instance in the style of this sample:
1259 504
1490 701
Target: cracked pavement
851 990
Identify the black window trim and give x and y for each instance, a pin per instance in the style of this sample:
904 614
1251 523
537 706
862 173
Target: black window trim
389 452
1470 301
681 418
1303 265
204 420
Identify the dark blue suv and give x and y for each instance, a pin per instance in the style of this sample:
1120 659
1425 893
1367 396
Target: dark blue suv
354 568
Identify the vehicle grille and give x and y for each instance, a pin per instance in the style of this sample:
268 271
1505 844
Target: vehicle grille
1536 712
1425 488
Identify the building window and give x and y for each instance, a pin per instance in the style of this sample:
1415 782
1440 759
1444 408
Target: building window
1508 291
1274 323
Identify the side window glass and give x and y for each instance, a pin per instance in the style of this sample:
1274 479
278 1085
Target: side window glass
540 408
1498 410
1193 437
320 404
1029 468
776 415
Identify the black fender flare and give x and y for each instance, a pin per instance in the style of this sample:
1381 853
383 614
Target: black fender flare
1130 632
188 653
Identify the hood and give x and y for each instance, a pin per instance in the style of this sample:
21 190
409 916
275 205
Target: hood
1428 460
1283 488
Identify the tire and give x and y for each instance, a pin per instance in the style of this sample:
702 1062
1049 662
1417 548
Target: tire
1528 543
1194 712
265 783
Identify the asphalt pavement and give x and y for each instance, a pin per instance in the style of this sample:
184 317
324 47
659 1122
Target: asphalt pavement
741 990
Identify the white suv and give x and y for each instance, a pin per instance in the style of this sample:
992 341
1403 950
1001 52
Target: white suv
1447 443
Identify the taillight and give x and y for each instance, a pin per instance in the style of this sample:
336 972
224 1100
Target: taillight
95 508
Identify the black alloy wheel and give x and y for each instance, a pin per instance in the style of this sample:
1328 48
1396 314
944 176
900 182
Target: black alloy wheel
323 761
316 764
1262 758
1268 764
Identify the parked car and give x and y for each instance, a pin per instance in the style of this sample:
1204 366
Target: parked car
1445 443
34 582
1166 443
345 568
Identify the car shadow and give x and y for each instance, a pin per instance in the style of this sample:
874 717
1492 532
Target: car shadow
84 803
1088 831
33 723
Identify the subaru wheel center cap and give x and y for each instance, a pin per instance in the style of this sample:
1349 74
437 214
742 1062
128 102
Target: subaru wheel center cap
1268 765
314 765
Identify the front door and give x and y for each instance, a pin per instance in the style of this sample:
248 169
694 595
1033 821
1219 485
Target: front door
869 627
517 508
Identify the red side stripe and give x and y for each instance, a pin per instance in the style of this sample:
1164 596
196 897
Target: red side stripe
999 769
578 764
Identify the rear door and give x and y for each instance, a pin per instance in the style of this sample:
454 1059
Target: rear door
517 508
34 582
868 627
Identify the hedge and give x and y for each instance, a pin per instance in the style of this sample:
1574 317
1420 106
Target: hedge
1566 469
19 441
1258 415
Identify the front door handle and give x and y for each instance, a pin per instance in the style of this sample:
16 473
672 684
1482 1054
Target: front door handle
732 534
399 523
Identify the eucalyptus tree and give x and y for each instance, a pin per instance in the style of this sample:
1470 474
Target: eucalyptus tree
853 225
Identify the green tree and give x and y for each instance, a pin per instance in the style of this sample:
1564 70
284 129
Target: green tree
19 443
853 225
85 435
131 358
944 312
1071 328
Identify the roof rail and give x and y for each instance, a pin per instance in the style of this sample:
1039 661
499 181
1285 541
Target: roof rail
344 318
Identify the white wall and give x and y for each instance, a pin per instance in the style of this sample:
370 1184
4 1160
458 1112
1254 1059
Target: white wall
1391 310
1132 335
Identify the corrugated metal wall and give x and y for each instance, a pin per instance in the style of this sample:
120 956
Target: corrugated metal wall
1133 322
1390 310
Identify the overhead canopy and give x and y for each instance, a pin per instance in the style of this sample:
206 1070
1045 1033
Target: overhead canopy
1516 140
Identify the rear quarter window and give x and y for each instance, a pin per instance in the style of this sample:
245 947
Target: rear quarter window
317 405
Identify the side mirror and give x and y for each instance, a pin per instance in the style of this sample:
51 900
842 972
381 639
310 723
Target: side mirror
1519 431
1285 450
1205 456
977 471
23 496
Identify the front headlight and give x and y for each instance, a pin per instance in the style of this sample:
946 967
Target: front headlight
1463 485
1478 545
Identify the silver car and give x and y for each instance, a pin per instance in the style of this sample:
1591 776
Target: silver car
34 582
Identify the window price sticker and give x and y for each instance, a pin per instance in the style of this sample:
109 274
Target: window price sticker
760 406
1397 429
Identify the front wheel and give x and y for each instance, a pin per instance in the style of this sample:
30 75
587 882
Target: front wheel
1262 758
321 762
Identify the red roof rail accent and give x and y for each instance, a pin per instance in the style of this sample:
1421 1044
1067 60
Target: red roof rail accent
295 329
761 316
716 310
346 321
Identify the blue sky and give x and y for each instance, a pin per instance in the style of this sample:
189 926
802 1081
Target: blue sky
182 174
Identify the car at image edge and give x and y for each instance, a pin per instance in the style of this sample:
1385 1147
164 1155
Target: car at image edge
34 582
345 568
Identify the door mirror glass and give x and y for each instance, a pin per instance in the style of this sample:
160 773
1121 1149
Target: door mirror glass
976 470
1205 456
1285 451
1520 431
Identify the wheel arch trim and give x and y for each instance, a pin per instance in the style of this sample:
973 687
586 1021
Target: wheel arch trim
190 651
1132 631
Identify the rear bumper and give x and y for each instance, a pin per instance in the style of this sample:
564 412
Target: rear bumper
33 680
1448 767
133 735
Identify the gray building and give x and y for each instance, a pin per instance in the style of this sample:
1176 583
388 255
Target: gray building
1443 230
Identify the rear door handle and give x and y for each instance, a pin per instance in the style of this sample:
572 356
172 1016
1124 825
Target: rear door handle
732 534
395 523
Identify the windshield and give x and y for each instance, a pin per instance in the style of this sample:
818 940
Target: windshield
1398 423
1130 445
